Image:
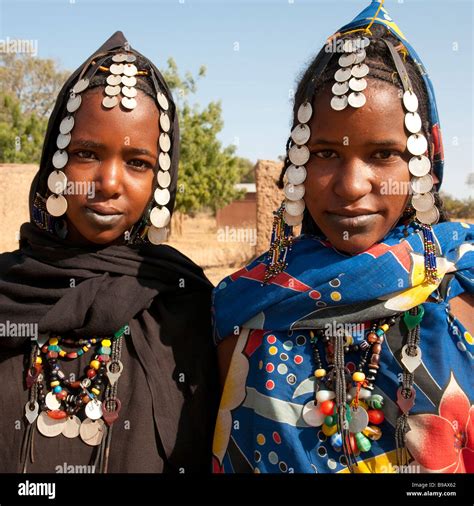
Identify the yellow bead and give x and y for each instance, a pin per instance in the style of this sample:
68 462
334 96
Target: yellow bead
95 391
329 431
54 383
53 341
85 348
95 364
320 373
39 360
106 343
362 404
385 327
358 376
62 353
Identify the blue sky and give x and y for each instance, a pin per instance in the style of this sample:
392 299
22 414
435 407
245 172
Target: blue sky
274 38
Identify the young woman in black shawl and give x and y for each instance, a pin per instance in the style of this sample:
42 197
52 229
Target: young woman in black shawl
105 355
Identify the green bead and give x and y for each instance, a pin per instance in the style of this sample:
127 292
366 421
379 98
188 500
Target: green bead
363 443
105 350
54 347
120 331
330 420
411 321
375 401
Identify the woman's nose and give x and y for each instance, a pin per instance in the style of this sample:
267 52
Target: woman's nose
353 180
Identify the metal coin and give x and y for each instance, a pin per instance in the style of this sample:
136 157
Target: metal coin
305 111
342 75
410 101
73 103
162 101
31 414
165 142
417 144
114 80
296 175
356 99
164 180
60 159
165 122
119 58
66 125
157 235
413 122
109 102
62 142
359 420
92 431
301 134
94 409
81 85
129 103
357 84
421 184
419 165
130 70
57 182
312 414
72 427
52 402
56 205
131 58
346 60
162 196
111 91
364 42
129 81
48 426
340 88
360 70
349 46
428 217
116 68
294 207
164 161
339 103
298 155
360 56
160 217
129 92
292 221
423 201
294 191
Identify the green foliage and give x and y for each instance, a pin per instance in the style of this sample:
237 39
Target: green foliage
458 209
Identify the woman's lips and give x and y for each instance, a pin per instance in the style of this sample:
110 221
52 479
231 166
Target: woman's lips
361 220
102 220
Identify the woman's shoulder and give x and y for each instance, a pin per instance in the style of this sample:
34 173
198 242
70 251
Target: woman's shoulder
8 260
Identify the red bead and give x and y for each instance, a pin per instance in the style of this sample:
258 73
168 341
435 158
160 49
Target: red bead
57 414
44 349
372 337
91 373
75 384
61 395
52 354
72 354
327 407
376 416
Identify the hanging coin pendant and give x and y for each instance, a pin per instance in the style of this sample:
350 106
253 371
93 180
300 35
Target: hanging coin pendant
129 92
349 46
162 196
157 235
162 101
130 70
94 409
119 57
411 362
419 165
294 192
413 122
429 217
66 125
312 414
417 144
346 60
73 103
357 84
423 201
81 85
31 414
410 101
356 99
129 103
359 420
301 134
360 56
360 70
294 207
305 111
160 217
292 221
116 68
165 142
56 205
72 427
60 159
131 58
296 175
340 88
129 81
57 182
111 91
92 431
62 142
421 184
48 426
109 102
165 123
164 179
298 155
342 75
114 80
364 42
164 161
339 103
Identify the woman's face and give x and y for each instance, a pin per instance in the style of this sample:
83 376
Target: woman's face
358 178
111 155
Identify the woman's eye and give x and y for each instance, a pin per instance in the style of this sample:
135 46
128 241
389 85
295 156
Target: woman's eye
385 154
326 154
85 155
140 164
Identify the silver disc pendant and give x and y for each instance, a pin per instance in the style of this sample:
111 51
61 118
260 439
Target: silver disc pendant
162 101
131 58
73 103
298 155
429 217
129 92
312 415
57 182
111 91
346 60
294 191
162 196
305 111
56 205
114 80
48 426
410 101
66 125
301 134
349 46
165 122
110 102
31 414
160 217
63 141
116 68
339 103
157 235
128 103
92 431
364 42
359 420
360 70
165 142
356 99
360 56
130 70
421 184
340 88
423 201
417 144
52 402
296 175
128 81
119 57
413 122
81 85
72 427
164 179
419 165
294 207
60 158
164 161
342 75
292 221
93 409
357 84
